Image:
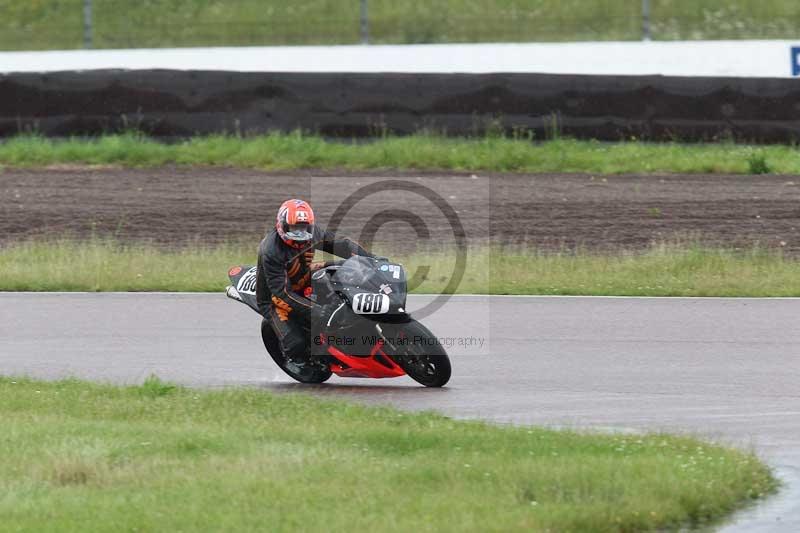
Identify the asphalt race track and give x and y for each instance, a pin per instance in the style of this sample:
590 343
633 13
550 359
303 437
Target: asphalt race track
725 369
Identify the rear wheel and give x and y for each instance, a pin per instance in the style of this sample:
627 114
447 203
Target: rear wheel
309 373
419 354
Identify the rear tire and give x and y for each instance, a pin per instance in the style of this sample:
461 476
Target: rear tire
425 362
303 374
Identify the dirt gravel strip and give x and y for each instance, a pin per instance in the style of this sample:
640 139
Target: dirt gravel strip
176 205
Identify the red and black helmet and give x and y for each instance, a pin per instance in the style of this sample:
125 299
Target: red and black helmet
295 223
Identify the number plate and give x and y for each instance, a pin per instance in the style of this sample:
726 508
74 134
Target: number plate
247 283
366 303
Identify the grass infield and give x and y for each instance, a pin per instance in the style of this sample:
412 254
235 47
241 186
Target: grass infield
54 24
76 456
421 151
665 270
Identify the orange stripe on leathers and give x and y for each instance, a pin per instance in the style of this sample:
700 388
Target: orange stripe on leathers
281 308
301 284
294 268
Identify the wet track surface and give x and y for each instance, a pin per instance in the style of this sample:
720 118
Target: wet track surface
723 369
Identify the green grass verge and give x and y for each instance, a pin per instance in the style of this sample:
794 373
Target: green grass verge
492 153
51 24
76 456
104 265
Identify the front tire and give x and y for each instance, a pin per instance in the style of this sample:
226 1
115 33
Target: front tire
419 354
303 374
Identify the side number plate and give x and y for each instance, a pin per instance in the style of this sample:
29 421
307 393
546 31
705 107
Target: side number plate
247 283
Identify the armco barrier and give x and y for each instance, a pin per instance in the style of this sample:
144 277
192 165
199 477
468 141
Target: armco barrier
182 103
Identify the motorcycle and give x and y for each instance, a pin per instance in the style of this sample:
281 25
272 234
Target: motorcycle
375 337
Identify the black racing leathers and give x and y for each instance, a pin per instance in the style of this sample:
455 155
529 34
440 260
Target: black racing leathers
283 273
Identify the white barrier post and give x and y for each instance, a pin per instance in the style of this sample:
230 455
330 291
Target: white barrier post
87 24
646 36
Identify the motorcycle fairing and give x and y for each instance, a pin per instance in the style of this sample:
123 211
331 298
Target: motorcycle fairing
377 365
243 285
362 275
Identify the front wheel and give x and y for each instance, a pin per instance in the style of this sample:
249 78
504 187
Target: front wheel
418 353
304 373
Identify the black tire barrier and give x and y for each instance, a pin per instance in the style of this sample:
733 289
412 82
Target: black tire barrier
172 103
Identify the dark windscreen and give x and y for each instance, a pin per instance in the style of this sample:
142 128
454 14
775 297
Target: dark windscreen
362 274
359 272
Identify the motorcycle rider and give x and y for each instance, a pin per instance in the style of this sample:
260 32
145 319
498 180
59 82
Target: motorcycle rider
284 271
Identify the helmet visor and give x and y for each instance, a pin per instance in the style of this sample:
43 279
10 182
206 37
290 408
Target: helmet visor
299 232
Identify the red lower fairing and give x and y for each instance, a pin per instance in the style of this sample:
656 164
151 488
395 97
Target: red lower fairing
376 365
